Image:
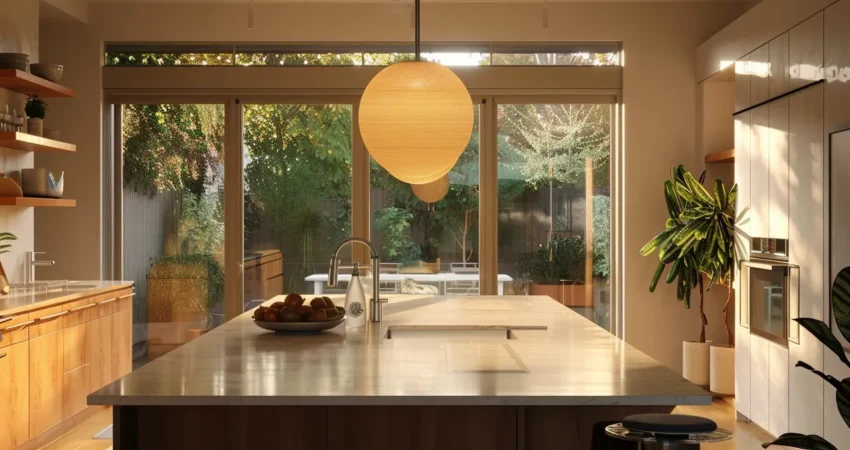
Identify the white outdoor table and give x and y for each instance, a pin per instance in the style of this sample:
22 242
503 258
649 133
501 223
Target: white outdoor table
320 279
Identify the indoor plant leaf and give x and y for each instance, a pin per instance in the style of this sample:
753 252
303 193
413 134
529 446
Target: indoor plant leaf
842 390
841 301
824 334
797 440
720 198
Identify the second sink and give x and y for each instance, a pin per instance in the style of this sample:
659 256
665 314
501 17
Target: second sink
455 333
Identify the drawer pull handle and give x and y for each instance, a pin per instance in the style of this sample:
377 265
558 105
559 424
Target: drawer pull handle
80 308
2 355
128 295
107 301
17 325
51 317
5 319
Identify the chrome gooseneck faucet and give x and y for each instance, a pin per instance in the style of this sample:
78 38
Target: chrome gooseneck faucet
376 303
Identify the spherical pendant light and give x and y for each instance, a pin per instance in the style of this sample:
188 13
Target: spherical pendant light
432 192
416 119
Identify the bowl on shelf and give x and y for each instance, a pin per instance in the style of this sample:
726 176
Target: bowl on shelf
50 72
19 61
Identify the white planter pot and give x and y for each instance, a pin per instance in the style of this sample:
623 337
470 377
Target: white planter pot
35 127
722 370
695 360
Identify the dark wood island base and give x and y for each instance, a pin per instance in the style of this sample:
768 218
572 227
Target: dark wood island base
364 427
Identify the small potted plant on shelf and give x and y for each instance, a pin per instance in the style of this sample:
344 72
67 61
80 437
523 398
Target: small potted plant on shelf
36 110
698 242
4 248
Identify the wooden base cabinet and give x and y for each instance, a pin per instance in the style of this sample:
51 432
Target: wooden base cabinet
45 357
14 395
52 358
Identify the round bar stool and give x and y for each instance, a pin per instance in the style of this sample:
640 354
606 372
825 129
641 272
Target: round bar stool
667 431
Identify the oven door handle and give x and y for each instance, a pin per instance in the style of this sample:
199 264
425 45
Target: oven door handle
758 265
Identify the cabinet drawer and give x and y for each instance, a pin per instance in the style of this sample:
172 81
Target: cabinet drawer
47 320
105 305
15 330
75 389
80 311
125 300
75 345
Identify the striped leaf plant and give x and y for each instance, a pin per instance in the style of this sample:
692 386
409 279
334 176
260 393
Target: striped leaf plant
698 239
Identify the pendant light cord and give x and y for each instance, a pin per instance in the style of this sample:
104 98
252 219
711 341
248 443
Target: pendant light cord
416 13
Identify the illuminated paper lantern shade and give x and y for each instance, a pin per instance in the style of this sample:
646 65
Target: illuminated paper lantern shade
432 192
416 119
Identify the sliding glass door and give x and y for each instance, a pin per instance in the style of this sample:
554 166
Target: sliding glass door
554 197
297 161
172 211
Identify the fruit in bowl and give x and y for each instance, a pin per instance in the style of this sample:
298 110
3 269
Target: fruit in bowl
293 315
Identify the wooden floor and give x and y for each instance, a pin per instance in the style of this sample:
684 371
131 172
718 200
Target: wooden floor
747 436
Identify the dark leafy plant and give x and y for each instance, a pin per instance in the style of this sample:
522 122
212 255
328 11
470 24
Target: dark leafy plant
841 312
35 108
698 238
5 237
394 224
601 236
197 266
561 259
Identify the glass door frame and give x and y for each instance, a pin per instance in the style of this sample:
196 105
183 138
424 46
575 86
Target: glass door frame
487 98
489 241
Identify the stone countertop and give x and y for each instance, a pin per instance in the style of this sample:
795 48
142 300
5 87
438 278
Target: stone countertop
23 300
570 362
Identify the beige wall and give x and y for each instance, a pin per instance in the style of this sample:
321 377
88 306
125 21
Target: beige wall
659 95
18 34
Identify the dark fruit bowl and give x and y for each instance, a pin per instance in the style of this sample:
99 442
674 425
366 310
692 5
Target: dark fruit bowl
303 327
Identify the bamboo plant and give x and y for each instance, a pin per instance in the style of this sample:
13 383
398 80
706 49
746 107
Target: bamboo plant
822 331
699 238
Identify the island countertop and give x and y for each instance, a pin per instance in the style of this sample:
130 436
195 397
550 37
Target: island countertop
570 362
21 300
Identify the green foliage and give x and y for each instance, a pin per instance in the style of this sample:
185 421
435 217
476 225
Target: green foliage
172 147
822 331
563 258
6 237
699 237
601 236
184 266
394 225
201 224
35 108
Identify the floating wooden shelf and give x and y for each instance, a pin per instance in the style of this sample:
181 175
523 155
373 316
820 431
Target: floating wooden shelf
727 156
37 201
28 143
29 84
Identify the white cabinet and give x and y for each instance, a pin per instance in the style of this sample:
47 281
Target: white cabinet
760 75
777 226
806 52
806 216
742 84
778 389
759 378
779 68
760 171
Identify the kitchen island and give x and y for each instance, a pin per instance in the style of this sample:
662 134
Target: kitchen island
489 372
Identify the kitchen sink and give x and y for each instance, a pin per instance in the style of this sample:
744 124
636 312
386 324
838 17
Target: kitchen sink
51 284
76 285
471 333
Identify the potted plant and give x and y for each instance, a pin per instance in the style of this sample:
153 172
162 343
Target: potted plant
36 110
557 270
698 240
823 333
4 248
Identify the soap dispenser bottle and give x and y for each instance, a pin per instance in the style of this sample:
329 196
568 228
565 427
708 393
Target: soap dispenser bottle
355 301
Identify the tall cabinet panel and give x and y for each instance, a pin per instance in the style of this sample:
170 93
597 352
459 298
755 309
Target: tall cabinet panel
806 52
760 171
779 69
45 382
760 71
778 168
806 232
14 396
742 84
743 138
